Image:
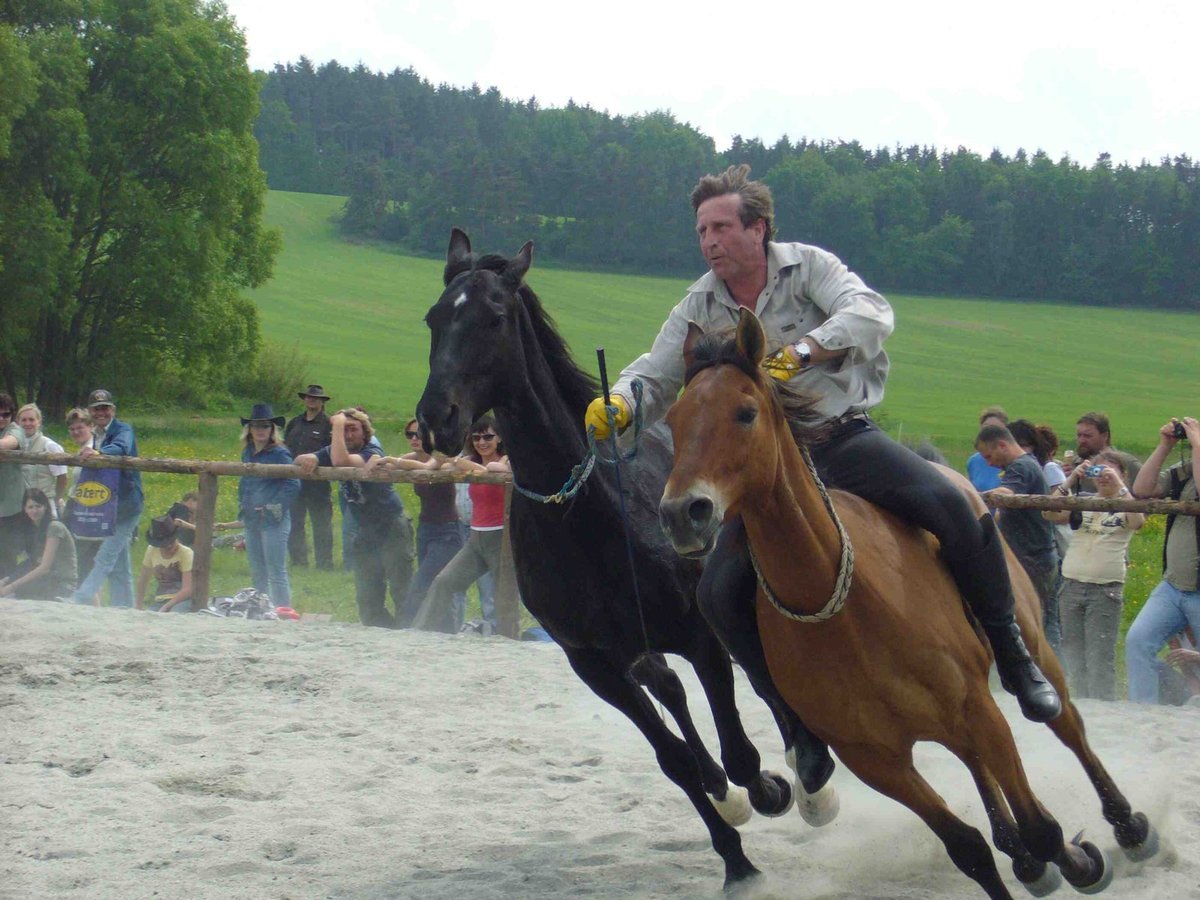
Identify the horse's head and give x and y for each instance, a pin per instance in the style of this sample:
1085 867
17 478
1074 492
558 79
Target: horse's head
727 426
474 341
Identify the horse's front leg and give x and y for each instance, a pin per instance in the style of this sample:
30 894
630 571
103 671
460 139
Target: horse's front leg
726 596
653 672
615 686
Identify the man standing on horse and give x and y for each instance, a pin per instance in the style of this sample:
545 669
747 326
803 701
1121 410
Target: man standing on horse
828 328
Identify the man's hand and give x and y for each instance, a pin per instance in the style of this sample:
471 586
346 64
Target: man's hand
597 416
1192 428
337 420
306 463
1181 656
782 364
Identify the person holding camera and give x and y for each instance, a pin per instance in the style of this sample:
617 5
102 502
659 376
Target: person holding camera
1175 602
1030 536
1093 585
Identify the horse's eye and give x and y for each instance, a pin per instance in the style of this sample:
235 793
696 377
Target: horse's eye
498 321
746 415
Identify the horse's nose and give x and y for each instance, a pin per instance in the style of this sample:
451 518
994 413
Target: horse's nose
689 522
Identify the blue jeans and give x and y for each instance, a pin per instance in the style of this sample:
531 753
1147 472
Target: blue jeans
112 562
266 548
437 544
1166 612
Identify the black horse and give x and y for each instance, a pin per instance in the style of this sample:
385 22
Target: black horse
493 347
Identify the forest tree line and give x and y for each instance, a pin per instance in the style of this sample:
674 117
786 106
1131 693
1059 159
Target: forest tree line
597 190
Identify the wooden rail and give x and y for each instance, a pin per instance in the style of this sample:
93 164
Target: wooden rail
508 615
507 609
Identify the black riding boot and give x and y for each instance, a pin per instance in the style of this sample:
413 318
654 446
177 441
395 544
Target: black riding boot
982 578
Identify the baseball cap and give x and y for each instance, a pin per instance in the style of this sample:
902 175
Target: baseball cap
100 397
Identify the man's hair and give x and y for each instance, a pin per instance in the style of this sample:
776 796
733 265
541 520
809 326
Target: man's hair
359 415
994 434
1049 440
1098 419
6 402
756 201
78 414
30 407
993 412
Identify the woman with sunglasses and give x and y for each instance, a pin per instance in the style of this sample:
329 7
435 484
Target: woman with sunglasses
482 551
439 537
49 568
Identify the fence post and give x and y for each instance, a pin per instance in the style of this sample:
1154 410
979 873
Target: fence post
203 543
508 609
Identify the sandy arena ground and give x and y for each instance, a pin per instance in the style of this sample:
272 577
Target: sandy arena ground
190 756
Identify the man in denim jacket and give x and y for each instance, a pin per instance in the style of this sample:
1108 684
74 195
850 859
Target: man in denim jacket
112 559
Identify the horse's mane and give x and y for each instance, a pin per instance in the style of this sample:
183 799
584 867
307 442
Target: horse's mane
719 348
577 387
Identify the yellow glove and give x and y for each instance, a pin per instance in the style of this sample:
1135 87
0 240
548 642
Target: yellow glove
597 415
781 365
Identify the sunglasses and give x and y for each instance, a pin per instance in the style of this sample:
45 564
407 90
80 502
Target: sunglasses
412 434
483 437
5 413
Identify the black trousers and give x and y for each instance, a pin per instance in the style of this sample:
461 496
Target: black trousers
860 459
314 502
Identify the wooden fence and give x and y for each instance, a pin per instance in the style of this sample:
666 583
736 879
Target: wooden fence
209 472
507 608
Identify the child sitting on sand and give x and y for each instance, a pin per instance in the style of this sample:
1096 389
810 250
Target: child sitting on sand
171 564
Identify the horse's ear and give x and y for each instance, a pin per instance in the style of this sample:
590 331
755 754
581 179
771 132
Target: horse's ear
459 250
694 333
516 268
751 341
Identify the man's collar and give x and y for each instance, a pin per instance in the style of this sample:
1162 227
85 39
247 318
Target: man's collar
779 257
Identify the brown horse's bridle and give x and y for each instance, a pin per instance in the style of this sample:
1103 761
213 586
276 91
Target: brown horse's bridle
841 586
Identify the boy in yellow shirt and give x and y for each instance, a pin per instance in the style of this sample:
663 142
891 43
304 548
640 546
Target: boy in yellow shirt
170 562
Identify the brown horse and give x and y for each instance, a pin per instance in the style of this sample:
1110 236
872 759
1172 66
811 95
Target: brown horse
900 661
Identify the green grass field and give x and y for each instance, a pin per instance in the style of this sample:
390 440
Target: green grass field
355 313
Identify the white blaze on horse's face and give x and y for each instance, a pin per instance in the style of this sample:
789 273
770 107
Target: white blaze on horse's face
462 298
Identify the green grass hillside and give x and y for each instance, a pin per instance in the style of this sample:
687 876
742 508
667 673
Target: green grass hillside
355 312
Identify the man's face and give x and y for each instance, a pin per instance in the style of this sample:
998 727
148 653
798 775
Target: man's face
1088 439
732 250
353 434
102 415
30 422
313 404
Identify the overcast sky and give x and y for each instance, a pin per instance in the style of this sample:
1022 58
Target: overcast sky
1069 78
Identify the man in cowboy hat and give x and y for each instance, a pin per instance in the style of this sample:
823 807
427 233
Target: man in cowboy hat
308 433
112 559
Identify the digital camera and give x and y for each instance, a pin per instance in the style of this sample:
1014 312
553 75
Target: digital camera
1093 471
1180 431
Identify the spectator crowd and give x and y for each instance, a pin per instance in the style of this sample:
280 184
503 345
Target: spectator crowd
66 533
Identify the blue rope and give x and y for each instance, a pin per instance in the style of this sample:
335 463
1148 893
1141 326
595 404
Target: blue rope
580 473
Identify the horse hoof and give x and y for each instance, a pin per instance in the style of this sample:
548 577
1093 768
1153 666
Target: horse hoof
1046 884
734 807
739 881
772 803
1101 866
820 808
1148 847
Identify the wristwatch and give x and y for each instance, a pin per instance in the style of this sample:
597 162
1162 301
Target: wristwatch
803 353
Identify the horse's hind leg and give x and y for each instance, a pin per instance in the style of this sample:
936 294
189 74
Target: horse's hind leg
893 774
653 672
615 686
1083 864
770 793
1039 878
1134 833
